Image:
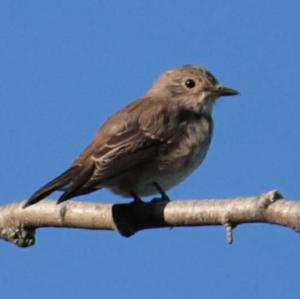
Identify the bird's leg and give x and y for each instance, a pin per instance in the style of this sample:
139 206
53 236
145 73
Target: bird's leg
136 198
164 196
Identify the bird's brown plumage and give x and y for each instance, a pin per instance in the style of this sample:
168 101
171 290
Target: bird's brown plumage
157 140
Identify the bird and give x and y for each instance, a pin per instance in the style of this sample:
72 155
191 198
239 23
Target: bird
149 146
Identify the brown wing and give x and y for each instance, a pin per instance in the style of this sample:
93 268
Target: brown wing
131 137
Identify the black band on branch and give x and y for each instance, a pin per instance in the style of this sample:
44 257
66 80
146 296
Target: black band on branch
137 215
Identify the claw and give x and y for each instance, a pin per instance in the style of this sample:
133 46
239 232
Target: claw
164 196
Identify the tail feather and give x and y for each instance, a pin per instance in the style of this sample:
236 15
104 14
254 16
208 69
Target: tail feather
78 182
56 184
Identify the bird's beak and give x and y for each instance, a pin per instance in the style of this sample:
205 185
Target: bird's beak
225 91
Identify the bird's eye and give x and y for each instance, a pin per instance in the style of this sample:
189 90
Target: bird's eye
190 83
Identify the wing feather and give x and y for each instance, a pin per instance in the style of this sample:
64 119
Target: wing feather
131 137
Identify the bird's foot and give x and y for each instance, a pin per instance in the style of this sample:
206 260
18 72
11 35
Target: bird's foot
136 198
164 197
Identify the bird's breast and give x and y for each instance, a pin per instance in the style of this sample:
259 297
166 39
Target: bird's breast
178 160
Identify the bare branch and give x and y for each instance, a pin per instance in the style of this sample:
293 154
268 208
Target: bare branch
18 225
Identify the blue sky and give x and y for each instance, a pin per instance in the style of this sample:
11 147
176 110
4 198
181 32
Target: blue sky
65 66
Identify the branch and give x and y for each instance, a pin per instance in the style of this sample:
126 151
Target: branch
18 225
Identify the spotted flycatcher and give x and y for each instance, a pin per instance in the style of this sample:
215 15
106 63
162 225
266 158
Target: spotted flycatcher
152 144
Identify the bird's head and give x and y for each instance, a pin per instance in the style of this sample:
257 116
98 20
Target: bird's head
191 84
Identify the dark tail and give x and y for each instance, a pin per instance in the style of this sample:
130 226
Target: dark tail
58 183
